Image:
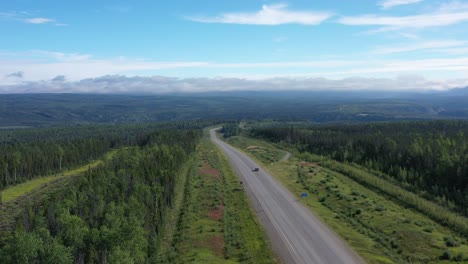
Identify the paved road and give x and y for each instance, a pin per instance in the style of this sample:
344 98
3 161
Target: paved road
296 234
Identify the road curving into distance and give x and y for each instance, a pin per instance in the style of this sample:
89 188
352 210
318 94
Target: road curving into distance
296 234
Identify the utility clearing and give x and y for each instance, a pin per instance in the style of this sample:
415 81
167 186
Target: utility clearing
15 198
216 223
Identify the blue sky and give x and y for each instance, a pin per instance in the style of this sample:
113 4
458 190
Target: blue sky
422 43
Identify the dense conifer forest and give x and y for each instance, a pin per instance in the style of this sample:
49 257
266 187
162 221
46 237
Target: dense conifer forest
28 153
33 110
429 158
114 213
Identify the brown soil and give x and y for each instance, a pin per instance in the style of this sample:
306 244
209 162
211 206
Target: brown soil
215 244
217 213
207 169
308 164
253 147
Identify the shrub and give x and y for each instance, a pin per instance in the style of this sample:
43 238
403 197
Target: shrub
446 255
380 208
459 257
450 242
428 229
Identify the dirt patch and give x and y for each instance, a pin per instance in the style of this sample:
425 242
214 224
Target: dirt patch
215 244
217 213
253 147
207 169
308 164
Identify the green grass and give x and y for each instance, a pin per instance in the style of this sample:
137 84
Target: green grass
206 234
18 190
263 151
380 229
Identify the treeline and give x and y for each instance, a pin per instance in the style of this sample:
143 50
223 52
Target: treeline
28 153
230 129
429 158
113 214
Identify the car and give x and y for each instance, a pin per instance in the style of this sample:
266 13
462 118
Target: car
256 169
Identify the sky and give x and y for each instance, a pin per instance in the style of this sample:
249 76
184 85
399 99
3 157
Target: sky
186 45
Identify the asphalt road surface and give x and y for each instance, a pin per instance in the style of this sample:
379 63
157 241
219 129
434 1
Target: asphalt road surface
297 235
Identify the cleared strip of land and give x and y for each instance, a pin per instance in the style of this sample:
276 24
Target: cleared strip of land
17 196
16 191
216 223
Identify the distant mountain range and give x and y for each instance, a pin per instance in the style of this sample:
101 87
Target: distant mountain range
458 91
313 106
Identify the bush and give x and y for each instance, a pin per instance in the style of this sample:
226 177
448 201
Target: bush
450 242
380 208
428 229
394 244
447 255
459 257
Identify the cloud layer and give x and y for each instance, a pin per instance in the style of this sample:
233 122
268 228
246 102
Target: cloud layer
34 66
161 85
269 15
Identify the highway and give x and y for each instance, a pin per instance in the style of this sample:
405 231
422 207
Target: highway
296 234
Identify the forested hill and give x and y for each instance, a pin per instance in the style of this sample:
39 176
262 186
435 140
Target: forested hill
69 109
429 158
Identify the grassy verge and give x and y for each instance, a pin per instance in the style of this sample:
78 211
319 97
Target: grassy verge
216 224
16 191
380 229
261 150
436 212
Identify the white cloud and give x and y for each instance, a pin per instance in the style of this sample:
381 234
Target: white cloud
8 15
160 84
453 6
63 57
25 17
454 51
386 4
444 16
269 15
46 65
38 20
18 74
427 45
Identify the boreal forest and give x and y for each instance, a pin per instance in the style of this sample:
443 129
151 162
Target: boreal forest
128 187
429 158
